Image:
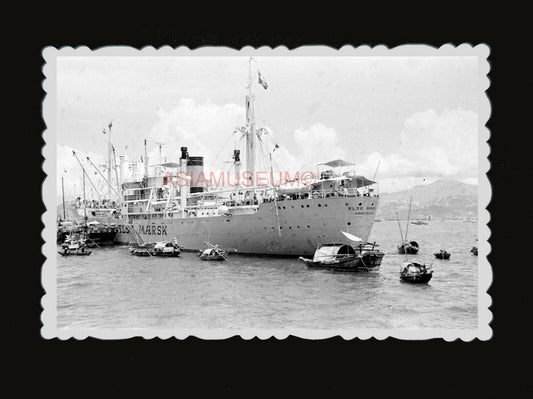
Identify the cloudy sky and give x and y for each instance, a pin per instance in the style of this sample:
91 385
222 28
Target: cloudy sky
415 115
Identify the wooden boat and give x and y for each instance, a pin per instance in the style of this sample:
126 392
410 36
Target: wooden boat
418 222
416 273
167 249
75 245
412 272
345 257
74 253
372 258
442 254
339 257
474 249
141 251
408 247
212 253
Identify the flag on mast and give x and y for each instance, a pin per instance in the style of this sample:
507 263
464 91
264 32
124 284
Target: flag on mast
262 80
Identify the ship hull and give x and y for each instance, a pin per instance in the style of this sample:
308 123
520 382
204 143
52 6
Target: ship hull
302 225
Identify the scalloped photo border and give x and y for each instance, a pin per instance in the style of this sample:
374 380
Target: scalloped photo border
49 328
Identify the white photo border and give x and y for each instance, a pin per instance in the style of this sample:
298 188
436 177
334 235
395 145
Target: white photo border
49 328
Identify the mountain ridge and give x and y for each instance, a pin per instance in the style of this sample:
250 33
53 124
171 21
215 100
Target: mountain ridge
444 198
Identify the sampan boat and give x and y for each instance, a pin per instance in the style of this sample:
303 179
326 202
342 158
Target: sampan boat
166 249
212 253
416 273
408 247
339 257
442 254
74 253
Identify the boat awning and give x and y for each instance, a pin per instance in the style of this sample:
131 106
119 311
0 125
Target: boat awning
363 181
336 163
329 253
360 181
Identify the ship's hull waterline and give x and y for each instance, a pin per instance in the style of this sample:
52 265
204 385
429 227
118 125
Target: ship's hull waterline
302 223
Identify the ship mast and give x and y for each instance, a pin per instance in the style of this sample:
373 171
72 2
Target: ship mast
109 154
63 195
408 217
84 204
250 125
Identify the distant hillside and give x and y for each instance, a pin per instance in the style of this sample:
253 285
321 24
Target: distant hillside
441 199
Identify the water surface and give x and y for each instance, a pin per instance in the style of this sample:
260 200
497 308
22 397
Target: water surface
112 289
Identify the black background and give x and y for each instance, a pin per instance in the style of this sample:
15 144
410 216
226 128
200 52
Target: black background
371 367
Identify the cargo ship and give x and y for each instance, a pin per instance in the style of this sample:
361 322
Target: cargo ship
273 217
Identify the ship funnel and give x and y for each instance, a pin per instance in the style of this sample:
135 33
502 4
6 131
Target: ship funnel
195 169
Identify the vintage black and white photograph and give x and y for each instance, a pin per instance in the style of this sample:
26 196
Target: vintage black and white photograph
312 192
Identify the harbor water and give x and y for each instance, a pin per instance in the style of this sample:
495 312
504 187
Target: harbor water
111 289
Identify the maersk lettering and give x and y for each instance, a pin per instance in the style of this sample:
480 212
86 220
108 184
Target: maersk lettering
153 230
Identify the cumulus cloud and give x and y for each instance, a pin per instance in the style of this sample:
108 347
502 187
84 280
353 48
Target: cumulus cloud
318 143
205 129
432 145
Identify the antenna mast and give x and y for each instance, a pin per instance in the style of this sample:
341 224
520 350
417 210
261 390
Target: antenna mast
63 194
160 169
250 125
401 235
145 160
109 155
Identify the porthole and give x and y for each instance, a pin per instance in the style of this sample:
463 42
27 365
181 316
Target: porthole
307 205
283 207
349 223
346 204
308 226
360 204
302 206
319 205
372 204
325 204
298 226
290 227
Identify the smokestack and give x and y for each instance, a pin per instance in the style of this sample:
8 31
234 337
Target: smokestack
183 187
195 169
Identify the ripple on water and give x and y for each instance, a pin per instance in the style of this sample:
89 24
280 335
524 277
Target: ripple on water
112 289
